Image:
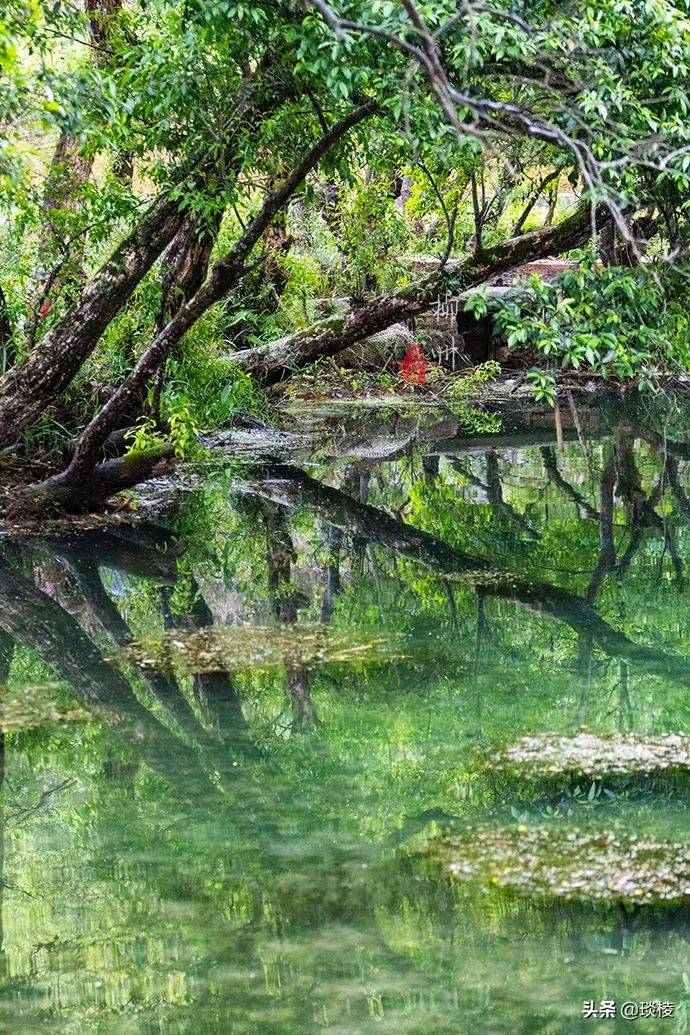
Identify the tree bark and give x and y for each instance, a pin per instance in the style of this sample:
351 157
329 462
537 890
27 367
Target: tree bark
185 264
81 495
7 350
29 388
227 271
185 267
70 169
279 359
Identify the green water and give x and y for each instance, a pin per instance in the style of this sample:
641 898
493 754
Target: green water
220 830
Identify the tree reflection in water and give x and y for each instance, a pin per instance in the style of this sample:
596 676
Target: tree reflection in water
230 849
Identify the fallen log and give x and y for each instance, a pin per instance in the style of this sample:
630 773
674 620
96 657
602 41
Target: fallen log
81 494
278 360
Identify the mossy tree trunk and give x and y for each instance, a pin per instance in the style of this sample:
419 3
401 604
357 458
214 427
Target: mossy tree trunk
32 386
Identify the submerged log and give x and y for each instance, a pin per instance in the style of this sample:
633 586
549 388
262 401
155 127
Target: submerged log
547 755
570 865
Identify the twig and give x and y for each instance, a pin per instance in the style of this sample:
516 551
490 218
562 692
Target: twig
449 217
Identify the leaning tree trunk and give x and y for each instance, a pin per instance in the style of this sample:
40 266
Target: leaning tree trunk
32 386
279 359
185 267
185 264
106 479
59 255
70 489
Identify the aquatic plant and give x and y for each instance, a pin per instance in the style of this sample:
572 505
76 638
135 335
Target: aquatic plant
221 648
587 754
570 864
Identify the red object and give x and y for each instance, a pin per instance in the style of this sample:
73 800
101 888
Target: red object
45 309
413 366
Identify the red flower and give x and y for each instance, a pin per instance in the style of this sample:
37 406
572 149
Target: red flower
413 366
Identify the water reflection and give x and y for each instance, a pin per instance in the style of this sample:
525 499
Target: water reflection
229 845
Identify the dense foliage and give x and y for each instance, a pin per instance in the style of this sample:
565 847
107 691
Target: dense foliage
180 181
619 323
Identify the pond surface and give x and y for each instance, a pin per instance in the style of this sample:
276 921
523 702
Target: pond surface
235 732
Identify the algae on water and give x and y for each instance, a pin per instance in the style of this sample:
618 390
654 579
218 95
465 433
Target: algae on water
570 865
589 755
227 648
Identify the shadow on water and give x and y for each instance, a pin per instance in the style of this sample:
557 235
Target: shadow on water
238 840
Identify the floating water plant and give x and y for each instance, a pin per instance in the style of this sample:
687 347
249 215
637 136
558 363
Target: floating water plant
570 865
34 704
226 648
589 755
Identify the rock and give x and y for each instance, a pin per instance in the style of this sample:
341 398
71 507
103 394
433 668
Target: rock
330 306
379 352
447 347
